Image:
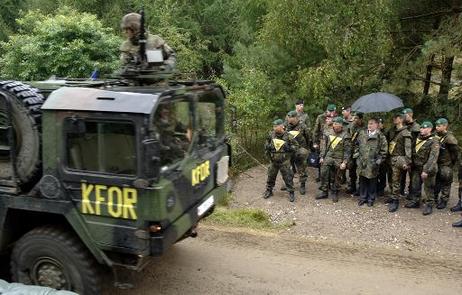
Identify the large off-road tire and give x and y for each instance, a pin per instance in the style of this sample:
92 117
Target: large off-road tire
53 257
25 114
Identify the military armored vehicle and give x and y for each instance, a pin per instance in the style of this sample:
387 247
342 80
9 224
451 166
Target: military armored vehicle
105 173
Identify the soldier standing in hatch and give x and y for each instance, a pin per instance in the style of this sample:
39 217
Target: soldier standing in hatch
400 157
424 168
414 128
131 26
370 152
320 127
447 160
355 128
335 153
279 147
300 133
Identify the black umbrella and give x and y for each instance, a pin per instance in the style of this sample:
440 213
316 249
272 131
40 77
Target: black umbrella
377 102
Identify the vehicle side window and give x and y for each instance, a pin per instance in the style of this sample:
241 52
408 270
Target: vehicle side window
207 121
173 126
108 147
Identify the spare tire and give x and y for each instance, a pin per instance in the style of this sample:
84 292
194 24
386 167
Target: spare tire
25 115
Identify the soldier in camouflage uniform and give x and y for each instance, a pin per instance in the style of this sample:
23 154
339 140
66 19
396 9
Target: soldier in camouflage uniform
458 207
131 26
400 157
424 168
383 169
414 128
302 116
320 128
355 128
300 133
335 153
347 116
279 147
447 160
370 151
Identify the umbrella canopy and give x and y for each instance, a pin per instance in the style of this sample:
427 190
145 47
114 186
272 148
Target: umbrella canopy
377 102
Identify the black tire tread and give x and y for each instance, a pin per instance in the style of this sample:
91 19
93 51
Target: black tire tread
31 100
87 265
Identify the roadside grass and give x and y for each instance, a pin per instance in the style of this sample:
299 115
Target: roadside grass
252 218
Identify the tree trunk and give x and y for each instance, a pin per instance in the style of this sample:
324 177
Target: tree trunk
428 76
446 72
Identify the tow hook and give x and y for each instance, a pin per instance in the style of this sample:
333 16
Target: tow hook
193 232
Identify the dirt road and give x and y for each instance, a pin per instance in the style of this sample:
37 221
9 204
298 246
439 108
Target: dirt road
230 261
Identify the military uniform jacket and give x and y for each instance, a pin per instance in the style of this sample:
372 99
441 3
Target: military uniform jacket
354 133
414 128
368 150
337 146
128 50
300 134
425 154
303 117
400 146
319 128
279 147
449 149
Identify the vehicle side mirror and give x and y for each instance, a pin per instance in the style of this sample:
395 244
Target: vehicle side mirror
151 163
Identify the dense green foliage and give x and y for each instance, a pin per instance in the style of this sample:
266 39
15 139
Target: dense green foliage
267 53
46 46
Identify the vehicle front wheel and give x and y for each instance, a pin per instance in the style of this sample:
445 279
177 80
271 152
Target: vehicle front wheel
53 257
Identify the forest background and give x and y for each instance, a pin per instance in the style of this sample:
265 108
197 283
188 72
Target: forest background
265 53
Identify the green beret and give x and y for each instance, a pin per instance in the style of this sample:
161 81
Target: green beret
331 107
407 111
278 122
401 115
292 114
426 124
338 120
441 121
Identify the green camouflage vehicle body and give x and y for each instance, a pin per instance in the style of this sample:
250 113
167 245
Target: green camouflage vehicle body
123 215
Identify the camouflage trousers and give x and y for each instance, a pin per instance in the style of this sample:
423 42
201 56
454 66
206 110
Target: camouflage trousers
443 182
287 175
428 195
300 160
331 175
352 173
396 174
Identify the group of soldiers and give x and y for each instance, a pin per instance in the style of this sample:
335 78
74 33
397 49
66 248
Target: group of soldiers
350 149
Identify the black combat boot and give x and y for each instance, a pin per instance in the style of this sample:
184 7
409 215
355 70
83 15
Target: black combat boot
412 204
457 207
427 210
370 203
441 204
351 189
393 206
302 188
457 224
334 196
388 200
291 196
268 193
321 195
